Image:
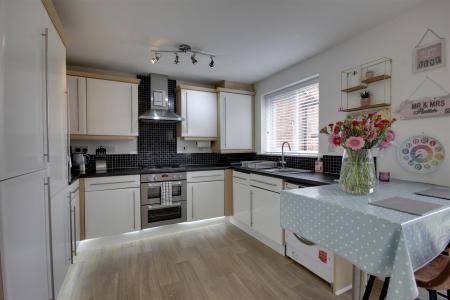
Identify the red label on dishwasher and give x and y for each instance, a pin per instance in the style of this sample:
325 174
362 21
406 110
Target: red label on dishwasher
323 256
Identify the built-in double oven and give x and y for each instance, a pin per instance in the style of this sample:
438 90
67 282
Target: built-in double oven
163 199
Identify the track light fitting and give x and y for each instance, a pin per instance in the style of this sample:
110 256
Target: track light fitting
156 57
183 49
193 59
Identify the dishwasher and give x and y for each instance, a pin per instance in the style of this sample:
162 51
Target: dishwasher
315 258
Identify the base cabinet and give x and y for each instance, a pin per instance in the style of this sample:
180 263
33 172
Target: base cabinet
241 200
205 195
110 212
266 214
207 200
256 205
60 237
24 221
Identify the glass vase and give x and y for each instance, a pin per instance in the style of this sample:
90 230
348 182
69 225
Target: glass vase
358 172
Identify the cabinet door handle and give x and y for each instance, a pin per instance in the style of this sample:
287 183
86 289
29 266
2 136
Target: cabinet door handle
263 182
68 164
225 120
46 129
134 211
187 118
132 115
78 105
241 178
207 176
251 208
70 229
192 203
116 182
50 243
303 240
75 230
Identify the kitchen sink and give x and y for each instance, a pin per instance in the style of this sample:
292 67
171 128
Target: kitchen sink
286 171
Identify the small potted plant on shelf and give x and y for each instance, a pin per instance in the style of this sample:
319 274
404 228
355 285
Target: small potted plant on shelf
365 98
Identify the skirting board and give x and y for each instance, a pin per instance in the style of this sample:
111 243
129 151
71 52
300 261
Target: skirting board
343 290
115 240
278 248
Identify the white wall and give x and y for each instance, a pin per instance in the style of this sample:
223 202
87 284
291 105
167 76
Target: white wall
396 39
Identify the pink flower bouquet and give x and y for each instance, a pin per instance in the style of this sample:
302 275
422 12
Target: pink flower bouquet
357 135
363 132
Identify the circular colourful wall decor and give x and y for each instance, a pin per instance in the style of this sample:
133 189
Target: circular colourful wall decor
421 154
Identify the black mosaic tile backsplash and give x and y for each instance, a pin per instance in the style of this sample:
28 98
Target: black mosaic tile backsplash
157 143
332 164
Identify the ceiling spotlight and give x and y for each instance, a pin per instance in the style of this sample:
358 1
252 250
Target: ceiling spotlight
211 64
177 59
155 58
193 59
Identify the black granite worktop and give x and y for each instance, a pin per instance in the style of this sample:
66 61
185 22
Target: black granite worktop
138 171
300 178
308 178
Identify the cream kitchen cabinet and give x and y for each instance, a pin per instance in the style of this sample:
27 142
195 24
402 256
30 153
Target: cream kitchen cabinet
241 198
102 107
256 204
198 108
205 195
23 145
33 151
58 134
266 214
25 240
112 205
265 206
75 236
111 107
60 208
76 87
235 122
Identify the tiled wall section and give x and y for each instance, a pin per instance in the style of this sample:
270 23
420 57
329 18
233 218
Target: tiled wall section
332 164
157 144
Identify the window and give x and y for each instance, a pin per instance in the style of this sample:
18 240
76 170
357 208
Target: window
293 116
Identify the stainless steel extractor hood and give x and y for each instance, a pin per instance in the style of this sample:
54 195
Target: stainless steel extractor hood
159 109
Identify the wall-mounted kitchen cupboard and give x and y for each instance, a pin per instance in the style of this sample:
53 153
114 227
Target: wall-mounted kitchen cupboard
236 133
198 108
105 106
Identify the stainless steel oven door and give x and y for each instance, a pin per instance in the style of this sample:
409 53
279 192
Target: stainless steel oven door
158 215
151 193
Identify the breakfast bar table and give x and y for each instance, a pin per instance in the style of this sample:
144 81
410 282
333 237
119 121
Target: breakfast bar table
379 241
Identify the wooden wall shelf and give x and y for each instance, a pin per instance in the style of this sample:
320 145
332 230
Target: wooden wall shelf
375 79
362 108
354 88
359 78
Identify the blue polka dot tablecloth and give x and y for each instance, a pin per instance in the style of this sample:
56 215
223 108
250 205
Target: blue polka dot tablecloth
379 241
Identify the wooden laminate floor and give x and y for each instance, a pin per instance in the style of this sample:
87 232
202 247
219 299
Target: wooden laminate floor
213 262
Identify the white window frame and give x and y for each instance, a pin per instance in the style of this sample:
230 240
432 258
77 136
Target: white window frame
267 116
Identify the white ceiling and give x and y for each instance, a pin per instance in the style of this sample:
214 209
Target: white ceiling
252 38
